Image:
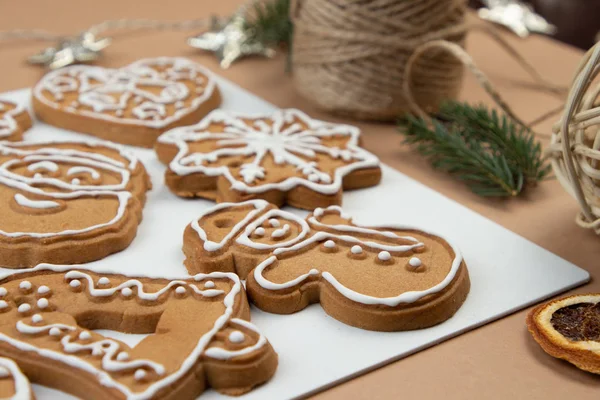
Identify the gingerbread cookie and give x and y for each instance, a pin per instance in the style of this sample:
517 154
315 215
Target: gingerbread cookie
283 157
132 105
13 384
388 278
236 237
199 336
569 329
14 121
68 202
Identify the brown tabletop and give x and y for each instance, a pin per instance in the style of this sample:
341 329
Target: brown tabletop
499 360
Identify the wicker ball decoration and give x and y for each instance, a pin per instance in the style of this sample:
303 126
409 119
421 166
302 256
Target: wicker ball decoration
575 143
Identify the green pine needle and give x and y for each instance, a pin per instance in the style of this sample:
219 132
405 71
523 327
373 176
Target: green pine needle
494 156
270 23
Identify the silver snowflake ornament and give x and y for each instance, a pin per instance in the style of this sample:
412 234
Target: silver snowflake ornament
516 16
230 40
82 49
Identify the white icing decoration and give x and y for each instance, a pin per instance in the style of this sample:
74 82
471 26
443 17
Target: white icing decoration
103 281
83 170
25 285
139 375
8 124
3 291
3 304
236 337
33 330
274 223
20 381
36 318
123 356
330 244
187 365
45 165
75 283
85 335
384 255
87 162
406 297
43 289
117 86
42 303
75 181
48 157
259 206
415 262
125 288
356 249
122 197
292 145
54 331
39 204
260 231
23 308
223 354
245 240
209 284
277 233
180 290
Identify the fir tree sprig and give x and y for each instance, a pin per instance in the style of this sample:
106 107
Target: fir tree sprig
270 22
493 155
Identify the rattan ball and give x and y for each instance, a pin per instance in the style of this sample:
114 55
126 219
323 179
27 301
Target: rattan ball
575 143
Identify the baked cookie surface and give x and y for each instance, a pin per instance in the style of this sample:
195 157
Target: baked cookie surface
14 384
387 278
199 335
132 105
14 121
282 157
68 202
569 329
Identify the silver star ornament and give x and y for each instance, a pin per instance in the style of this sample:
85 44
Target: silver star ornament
82 49
230 40
516 16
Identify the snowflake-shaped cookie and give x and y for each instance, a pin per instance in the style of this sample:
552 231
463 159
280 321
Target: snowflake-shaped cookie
283 157
380 278
14 121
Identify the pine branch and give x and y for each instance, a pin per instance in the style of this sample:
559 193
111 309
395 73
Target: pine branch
490 153
270 22
501 134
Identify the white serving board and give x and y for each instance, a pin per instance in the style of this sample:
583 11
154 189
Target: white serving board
315 351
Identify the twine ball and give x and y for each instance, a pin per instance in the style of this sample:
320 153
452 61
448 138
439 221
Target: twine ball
575 143
350 56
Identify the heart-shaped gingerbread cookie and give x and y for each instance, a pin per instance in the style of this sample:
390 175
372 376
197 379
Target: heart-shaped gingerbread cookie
132 105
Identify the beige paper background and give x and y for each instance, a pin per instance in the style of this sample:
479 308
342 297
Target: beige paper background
497 361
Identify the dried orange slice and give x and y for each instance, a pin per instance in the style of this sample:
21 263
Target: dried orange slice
569 329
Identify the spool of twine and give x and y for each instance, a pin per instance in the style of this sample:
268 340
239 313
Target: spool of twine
350 57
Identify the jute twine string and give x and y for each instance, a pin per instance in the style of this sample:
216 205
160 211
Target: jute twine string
575 142
381 59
